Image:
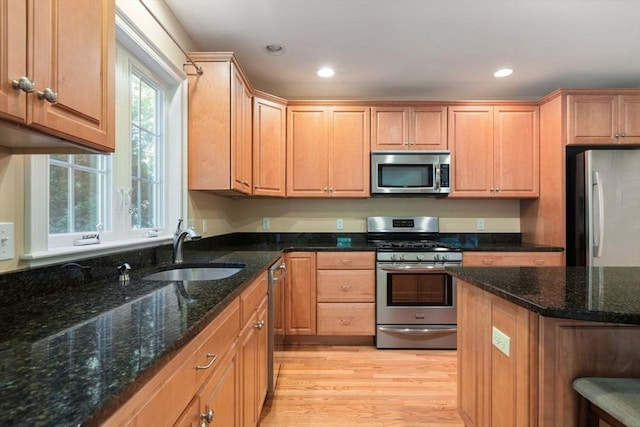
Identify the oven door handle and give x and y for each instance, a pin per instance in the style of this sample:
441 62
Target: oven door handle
419 332
411 269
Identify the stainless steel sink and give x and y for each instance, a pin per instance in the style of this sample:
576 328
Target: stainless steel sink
195 273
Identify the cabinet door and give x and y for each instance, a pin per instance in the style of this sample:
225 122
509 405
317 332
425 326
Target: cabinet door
307 152
428 128
349 152
629 119
269 148
263 357
471 145
471 394
300 294
240 134
516 151
73 55
389 128
592 119
13 58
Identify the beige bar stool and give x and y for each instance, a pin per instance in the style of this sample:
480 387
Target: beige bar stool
613 400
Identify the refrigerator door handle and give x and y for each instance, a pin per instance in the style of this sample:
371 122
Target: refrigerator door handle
597 247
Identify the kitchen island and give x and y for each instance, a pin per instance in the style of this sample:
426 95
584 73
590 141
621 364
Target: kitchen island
524 334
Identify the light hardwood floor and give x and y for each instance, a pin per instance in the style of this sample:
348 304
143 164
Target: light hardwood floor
325 386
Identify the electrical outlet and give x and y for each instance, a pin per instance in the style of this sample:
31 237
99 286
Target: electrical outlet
205 226
191 223
266 223
500 340
339 224
480 224
6 240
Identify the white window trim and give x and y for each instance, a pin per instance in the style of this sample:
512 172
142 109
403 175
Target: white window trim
37 196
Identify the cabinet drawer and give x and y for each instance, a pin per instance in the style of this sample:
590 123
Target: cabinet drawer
346 285
346 318
252 297
516 259
346 260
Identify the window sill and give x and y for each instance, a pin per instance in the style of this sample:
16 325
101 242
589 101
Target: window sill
72 253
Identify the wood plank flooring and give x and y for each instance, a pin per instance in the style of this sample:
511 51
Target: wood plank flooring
326 386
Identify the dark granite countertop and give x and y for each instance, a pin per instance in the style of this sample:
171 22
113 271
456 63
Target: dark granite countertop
75 344
600 294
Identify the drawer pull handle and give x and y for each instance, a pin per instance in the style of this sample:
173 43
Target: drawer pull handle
487 261
538 261
259 324
213 358
346 261
346 321
345 287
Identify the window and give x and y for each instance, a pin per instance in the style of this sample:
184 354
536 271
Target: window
131 198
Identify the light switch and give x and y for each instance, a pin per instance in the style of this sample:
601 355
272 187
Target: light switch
6 240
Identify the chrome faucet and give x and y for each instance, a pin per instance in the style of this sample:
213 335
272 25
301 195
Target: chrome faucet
178 238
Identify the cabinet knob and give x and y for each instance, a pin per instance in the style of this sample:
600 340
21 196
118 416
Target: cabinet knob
346 321
48 95
345 287
259 324
498 189
208 416
324 189
623 135
24 84
330 189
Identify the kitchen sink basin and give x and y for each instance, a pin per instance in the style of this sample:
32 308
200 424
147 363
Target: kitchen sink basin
195 273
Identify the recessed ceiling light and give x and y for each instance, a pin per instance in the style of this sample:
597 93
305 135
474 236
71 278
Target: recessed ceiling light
326 72
274 49
504 72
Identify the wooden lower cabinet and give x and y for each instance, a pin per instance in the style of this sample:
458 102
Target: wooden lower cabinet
532 384
300 293
253 347
346 293
513 259
218 379
217 404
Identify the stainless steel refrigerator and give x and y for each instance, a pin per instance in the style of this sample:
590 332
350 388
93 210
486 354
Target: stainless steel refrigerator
603 208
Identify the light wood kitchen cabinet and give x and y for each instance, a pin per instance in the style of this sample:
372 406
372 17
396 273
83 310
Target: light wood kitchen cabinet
269 146
220 126
253 347
328 151
494 151
209 357
61 55
513 259
496 383
409 127
300 293
603 118
346 293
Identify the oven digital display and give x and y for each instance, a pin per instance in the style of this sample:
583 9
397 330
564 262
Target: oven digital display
403 223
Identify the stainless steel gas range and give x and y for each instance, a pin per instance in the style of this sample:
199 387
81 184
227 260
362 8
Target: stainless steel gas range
415 297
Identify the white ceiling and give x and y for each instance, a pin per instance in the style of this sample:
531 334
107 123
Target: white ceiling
422 49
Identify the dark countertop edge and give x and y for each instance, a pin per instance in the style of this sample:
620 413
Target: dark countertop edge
110 407
592 316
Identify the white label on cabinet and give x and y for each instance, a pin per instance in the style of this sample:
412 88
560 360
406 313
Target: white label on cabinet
500 340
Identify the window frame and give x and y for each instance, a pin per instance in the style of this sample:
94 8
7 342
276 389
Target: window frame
147 56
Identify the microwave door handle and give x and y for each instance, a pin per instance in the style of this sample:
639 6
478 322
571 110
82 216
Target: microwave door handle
436 184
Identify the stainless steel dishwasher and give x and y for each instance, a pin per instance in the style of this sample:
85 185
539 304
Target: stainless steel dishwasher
277 273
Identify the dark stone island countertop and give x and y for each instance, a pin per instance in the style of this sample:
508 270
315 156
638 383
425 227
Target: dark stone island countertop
75 344
600 294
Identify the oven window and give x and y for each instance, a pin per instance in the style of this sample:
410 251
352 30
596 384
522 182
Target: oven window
405 176
419 290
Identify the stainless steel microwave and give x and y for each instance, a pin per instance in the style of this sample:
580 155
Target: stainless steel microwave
410 173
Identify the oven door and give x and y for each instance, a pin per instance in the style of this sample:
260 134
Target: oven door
415 307
414 294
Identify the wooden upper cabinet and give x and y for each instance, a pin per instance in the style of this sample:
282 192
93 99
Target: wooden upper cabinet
328 151
220 126
494 151
70 60
409 128
269 147
603 119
